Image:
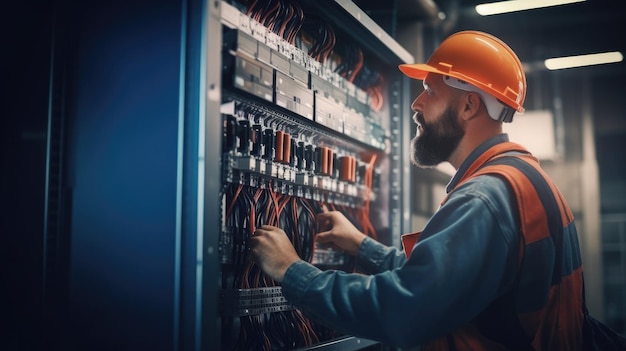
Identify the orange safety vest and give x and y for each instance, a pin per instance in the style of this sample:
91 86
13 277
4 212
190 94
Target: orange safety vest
547 227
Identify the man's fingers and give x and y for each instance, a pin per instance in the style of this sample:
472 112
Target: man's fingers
325 240
325 214
325 219
322 237
265 228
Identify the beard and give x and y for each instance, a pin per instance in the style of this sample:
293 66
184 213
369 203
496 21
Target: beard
437 140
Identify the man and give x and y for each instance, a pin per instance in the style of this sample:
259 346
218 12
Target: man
497 266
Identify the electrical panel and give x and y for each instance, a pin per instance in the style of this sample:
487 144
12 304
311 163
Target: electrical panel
311 117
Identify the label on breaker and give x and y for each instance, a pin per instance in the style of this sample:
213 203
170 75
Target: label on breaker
302 179
272 40
281 172
289 175
246 164
258 30
352 190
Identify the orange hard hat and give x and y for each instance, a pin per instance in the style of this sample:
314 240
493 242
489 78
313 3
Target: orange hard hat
479 59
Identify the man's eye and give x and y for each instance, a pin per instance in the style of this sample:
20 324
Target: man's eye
427 89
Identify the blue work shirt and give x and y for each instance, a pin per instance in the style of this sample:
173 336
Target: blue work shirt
466 257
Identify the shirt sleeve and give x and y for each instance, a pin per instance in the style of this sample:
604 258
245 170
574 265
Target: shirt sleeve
374 257
466 256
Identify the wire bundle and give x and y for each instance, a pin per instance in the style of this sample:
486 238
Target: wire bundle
355 70
351 62
324 39
286 19
282 17
246 209
372 82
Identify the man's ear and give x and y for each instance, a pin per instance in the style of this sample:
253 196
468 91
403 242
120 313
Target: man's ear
471 105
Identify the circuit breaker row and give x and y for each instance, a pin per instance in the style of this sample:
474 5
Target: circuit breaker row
263 64
254 153
280 147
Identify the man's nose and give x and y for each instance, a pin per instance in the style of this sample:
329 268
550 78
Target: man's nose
415 104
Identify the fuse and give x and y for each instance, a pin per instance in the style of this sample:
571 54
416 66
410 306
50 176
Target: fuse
278 146
286 148
257 140
329 161
353 164
344 168
321 160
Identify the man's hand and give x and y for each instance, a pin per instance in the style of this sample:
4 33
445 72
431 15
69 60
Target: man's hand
337 230
271 250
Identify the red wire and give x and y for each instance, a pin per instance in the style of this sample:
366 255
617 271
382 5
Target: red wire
289 16
357 67
233 200
274 220
296 230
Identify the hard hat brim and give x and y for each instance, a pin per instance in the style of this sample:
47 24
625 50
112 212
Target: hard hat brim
418 70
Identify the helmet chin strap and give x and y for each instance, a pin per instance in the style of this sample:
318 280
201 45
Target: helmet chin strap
497 110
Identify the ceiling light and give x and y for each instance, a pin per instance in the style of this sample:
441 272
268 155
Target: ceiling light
495 8
583 60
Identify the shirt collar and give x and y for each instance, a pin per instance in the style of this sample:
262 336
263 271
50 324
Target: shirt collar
500 138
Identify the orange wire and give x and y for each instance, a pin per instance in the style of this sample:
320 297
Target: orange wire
268 211
275 201
232 204
289 15
357 67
